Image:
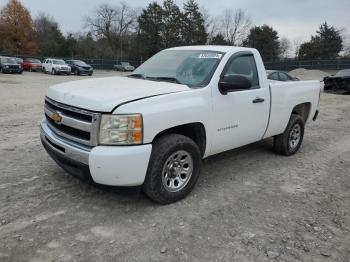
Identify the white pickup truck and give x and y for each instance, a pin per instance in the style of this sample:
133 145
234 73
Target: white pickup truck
154 126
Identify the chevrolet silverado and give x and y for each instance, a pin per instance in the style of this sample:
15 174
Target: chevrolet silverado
154 126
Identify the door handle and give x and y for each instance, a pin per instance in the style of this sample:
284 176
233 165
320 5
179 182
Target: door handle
258 100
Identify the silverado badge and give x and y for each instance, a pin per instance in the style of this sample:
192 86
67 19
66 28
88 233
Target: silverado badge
56 117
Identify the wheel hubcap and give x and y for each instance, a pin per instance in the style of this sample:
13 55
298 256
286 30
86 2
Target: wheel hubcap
294 136
177 171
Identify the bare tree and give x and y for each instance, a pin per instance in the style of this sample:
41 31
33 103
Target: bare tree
211 25
235 25
114 23
296 46
285 47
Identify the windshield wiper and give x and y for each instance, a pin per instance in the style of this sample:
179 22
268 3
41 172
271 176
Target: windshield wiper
137 76
164 78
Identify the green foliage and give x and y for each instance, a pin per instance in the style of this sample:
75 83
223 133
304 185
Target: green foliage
219 39
265 39
167 26
326 44
172 24
193 32
150 28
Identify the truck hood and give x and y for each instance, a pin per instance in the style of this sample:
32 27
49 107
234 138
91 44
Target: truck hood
104 94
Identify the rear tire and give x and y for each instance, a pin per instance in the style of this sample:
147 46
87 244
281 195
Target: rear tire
289 142
173 170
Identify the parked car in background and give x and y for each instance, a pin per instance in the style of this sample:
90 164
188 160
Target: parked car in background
124 67
56 66
338 83
31 64
10 65
280 76
79 67
18 60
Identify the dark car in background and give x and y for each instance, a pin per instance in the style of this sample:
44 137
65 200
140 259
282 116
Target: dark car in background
124 67
280 76
31 64
338 83
18 60
79 67
10 65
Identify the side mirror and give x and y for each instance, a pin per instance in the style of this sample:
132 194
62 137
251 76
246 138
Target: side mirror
232 83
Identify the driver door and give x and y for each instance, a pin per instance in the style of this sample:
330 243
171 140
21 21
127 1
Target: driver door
240 116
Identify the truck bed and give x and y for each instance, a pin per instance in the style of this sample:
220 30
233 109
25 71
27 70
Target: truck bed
284 97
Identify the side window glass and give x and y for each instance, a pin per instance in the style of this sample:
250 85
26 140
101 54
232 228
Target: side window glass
274 76
283 77
244 65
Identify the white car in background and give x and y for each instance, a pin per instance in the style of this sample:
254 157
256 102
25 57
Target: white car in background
56 66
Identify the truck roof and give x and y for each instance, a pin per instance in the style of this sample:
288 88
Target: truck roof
219 48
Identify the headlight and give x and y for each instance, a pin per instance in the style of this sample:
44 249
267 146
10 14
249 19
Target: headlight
6 66
121 129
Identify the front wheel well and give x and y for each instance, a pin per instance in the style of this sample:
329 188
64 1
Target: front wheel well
194 131
302 110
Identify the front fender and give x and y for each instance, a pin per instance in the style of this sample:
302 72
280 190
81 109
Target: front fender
166 111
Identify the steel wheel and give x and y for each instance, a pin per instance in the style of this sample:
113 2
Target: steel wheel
295 136
177 171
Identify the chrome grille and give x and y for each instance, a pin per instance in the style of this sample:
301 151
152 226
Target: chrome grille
72 123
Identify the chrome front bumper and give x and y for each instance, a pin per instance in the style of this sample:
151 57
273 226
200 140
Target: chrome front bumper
63 147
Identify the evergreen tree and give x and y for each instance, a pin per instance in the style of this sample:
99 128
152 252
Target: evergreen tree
326 44
150 28
265 39
194 32
172 24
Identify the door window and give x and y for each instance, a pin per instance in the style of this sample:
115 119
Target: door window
274 76
283 76
244 65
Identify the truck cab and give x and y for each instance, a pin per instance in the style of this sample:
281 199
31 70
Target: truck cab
153 127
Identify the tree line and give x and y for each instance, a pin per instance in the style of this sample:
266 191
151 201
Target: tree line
123 32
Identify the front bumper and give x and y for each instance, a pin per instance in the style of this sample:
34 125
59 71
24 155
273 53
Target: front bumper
107 165
12 70
63 71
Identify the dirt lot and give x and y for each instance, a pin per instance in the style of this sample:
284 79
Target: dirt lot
249 205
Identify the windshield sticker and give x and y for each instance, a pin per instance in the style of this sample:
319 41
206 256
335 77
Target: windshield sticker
210 55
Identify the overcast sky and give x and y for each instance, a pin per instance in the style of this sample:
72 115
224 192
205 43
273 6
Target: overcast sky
294 19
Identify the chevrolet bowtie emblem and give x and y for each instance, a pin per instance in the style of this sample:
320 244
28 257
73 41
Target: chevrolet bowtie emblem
56 117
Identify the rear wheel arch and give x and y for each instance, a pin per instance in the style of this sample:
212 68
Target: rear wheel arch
195 131
302 110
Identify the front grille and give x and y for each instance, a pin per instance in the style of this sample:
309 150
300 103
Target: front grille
14 66
72 123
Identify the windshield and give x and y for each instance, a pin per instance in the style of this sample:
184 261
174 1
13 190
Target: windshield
345 72
188 67
58 62
33 61
80 63
8 60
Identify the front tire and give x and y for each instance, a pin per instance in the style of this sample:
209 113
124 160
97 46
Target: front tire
289 142
173 170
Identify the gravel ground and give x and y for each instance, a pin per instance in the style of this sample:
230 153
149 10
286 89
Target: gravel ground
249 204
